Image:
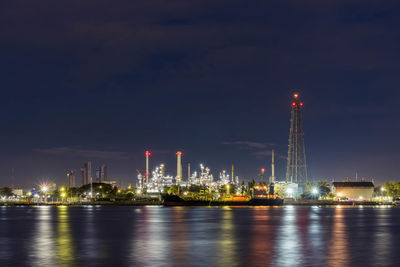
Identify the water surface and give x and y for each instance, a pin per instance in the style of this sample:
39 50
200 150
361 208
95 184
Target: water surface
199 236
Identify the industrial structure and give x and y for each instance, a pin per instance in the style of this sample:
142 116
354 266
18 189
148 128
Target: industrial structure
272 178
147 173
159 180
178 167
296 170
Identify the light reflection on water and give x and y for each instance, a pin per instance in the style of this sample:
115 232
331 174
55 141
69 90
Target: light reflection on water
288 239
199 236
338 246
227 240
65 244
44 240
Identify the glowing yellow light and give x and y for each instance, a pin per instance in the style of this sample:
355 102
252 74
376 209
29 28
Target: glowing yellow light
63 195
296 95
62 189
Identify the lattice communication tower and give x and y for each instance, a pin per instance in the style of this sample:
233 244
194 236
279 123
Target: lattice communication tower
296 170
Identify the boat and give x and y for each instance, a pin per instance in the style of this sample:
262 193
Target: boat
175 200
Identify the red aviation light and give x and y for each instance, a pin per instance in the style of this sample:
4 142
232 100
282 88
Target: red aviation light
178 153
293 104
262 170
301 104
147 153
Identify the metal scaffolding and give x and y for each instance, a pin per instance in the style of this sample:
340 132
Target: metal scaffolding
296 170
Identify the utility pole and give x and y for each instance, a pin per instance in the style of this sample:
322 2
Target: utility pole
272 178
147 154
233 178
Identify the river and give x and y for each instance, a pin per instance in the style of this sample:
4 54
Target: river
199 236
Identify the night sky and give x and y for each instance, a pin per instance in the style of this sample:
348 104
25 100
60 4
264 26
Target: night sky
105 81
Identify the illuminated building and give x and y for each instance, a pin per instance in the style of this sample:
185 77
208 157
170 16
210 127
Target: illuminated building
86 173
357 191
71 178
101 173
83 176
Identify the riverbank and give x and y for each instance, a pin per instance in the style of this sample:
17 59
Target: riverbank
156 202
300 202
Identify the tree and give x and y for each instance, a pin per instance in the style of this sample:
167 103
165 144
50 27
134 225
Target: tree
307 192
72 192
173 190
6 192
392 189
323 188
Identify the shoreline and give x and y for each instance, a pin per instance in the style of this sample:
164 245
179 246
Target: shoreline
159 203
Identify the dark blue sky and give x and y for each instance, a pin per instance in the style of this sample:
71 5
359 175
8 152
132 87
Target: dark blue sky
104 81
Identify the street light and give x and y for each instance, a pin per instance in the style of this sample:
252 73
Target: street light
289 192
314 191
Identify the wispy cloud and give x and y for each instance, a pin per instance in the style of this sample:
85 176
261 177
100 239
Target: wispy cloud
249 144
262 153
83 153
258 149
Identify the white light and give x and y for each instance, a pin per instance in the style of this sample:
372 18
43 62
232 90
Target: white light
314 191
339 194
44 188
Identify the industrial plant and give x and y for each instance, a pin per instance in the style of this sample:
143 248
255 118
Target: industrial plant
200 183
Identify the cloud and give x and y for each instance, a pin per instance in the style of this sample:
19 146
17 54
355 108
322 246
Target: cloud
259 150
262 153
83 153
249 144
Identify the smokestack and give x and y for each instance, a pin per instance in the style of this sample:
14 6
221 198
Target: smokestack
178 167
189 173
233 178
272 179
147 154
